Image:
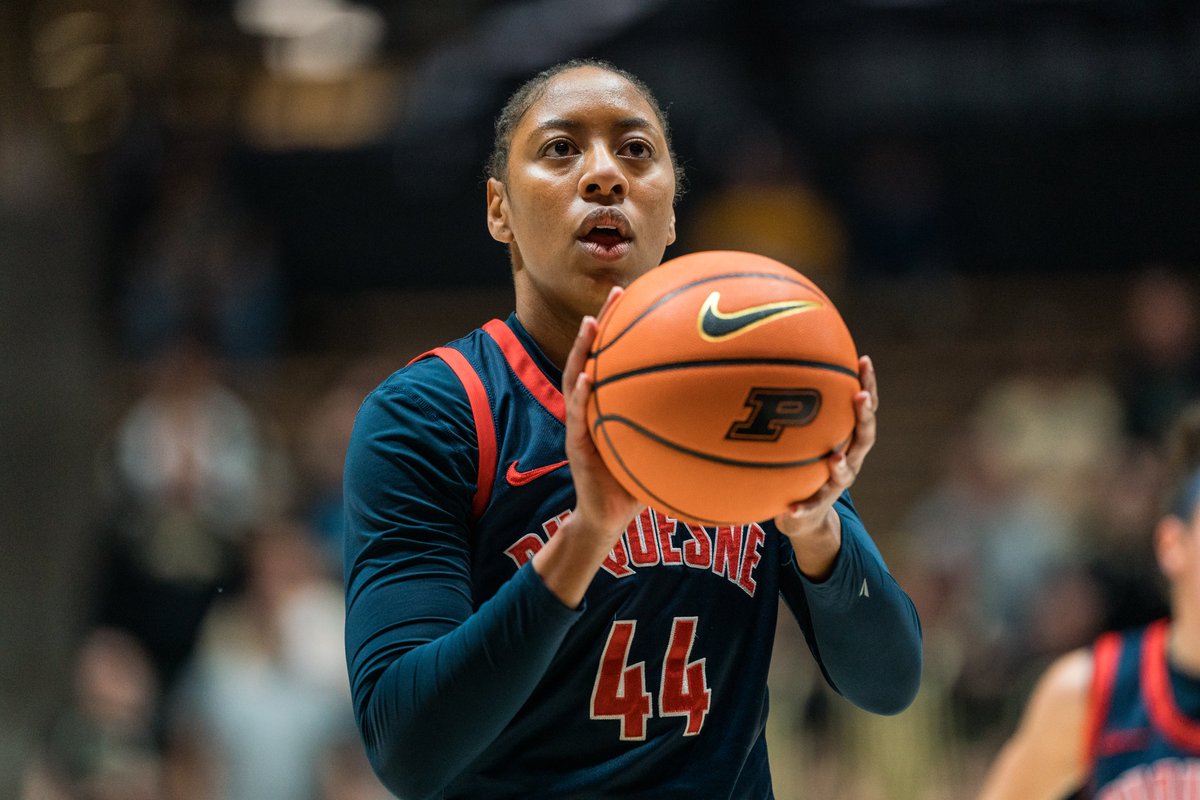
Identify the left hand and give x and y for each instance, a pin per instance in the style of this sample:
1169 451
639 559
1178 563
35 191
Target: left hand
813 526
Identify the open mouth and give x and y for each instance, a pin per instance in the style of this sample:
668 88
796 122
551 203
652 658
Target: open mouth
605 235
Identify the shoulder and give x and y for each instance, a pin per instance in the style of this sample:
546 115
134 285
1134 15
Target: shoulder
1064 688
428 386
413 431
1058 714
421 408
1047 756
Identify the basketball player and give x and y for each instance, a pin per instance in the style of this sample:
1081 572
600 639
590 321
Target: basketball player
518 626
1121 719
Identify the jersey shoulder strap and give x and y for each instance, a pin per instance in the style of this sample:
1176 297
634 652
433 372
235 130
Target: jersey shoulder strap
1106 658
1180 730
485 428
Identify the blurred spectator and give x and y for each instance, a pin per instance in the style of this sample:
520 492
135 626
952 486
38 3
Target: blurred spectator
766 204
191 470
1053 423
102 746
265 703
999 537
1052 432
985 544
203 260
1160 368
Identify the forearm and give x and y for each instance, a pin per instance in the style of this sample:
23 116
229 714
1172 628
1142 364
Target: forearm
864 628
438 706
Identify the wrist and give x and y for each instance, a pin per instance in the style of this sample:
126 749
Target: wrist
572 557
817 549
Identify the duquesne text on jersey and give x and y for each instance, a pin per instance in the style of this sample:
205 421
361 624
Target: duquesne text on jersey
1167 777
653 539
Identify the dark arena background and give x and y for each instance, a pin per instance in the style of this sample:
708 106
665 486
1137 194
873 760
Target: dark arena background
223 221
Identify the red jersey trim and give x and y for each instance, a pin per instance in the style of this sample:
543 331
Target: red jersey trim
1180 730
485 428
1106 655
528 372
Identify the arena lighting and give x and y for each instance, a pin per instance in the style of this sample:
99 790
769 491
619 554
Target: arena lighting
283 17
74 61
315 39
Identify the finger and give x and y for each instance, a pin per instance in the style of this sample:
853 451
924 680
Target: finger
840 478
577 358
614 294
864 432
866 376
578 436
866 403
822 498
841 473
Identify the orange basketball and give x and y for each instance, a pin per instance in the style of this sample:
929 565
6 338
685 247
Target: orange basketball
722 382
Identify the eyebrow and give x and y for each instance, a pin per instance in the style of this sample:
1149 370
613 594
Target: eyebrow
561 123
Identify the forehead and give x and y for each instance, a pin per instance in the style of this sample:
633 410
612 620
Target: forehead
589 94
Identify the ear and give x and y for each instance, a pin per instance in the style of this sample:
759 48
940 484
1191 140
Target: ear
1170 546
497 212
671 229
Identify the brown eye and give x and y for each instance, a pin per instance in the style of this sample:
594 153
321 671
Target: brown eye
560 148
637 149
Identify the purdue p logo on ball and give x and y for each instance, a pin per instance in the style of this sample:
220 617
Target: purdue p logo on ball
772 410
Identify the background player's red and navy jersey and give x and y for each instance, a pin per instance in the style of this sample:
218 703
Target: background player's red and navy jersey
1144 731
471 680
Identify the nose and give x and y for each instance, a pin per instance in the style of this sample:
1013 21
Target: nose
602 175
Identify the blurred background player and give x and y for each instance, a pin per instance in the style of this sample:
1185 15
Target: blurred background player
1122 718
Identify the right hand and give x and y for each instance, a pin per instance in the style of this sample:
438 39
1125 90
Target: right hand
600 500
603 509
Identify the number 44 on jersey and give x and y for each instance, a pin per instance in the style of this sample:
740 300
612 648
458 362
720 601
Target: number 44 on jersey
620 689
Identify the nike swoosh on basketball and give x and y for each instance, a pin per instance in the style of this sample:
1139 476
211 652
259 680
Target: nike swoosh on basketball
716 325
516 477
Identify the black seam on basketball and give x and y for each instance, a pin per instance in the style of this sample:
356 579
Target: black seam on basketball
659 503
700 282
731 462
727 362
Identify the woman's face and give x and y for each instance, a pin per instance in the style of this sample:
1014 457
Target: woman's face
588 197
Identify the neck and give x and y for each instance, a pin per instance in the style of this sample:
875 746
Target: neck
554 333
1183 642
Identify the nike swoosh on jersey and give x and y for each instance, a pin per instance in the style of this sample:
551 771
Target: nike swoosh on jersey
716 325
516 477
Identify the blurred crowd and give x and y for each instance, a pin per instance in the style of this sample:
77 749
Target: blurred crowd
210 664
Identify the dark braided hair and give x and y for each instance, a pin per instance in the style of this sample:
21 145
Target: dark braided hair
528 93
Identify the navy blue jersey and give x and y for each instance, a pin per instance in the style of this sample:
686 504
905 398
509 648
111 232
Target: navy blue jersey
456 476
1144 719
